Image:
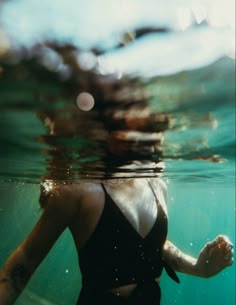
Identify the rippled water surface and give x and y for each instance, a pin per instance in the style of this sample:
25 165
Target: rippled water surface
164 86
44 132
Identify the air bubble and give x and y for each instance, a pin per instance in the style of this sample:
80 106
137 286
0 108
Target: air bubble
85 101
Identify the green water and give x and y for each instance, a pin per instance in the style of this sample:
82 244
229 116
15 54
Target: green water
197 213
187 73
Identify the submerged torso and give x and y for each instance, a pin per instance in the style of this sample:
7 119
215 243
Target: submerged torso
135 199
119 230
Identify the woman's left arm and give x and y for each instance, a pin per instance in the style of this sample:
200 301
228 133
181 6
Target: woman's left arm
212 259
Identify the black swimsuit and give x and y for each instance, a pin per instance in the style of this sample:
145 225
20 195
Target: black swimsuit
116 255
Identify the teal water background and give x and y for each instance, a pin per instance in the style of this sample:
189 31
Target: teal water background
194 68
197 213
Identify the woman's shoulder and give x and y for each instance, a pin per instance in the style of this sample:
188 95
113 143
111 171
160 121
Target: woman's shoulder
73 197
82 193
71 189
160 188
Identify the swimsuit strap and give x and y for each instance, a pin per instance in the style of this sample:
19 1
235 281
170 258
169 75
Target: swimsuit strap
154 193
169 270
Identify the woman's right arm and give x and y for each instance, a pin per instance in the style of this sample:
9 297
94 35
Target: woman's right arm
19 267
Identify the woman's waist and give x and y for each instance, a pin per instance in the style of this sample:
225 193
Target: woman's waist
119 285
128 289
134 293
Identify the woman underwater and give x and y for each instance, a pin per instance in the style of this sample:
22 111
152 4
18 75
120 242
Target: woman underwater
119 227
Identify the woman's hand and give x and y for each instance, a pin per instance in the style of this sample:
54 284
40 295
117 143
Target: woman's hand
214 257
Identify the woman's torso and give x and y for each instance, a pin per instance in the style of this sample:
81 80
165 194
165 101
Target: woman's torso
131 206
134 200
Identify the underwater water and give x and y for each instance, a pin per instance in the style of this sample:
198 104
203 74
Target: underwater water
178 74
197 213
